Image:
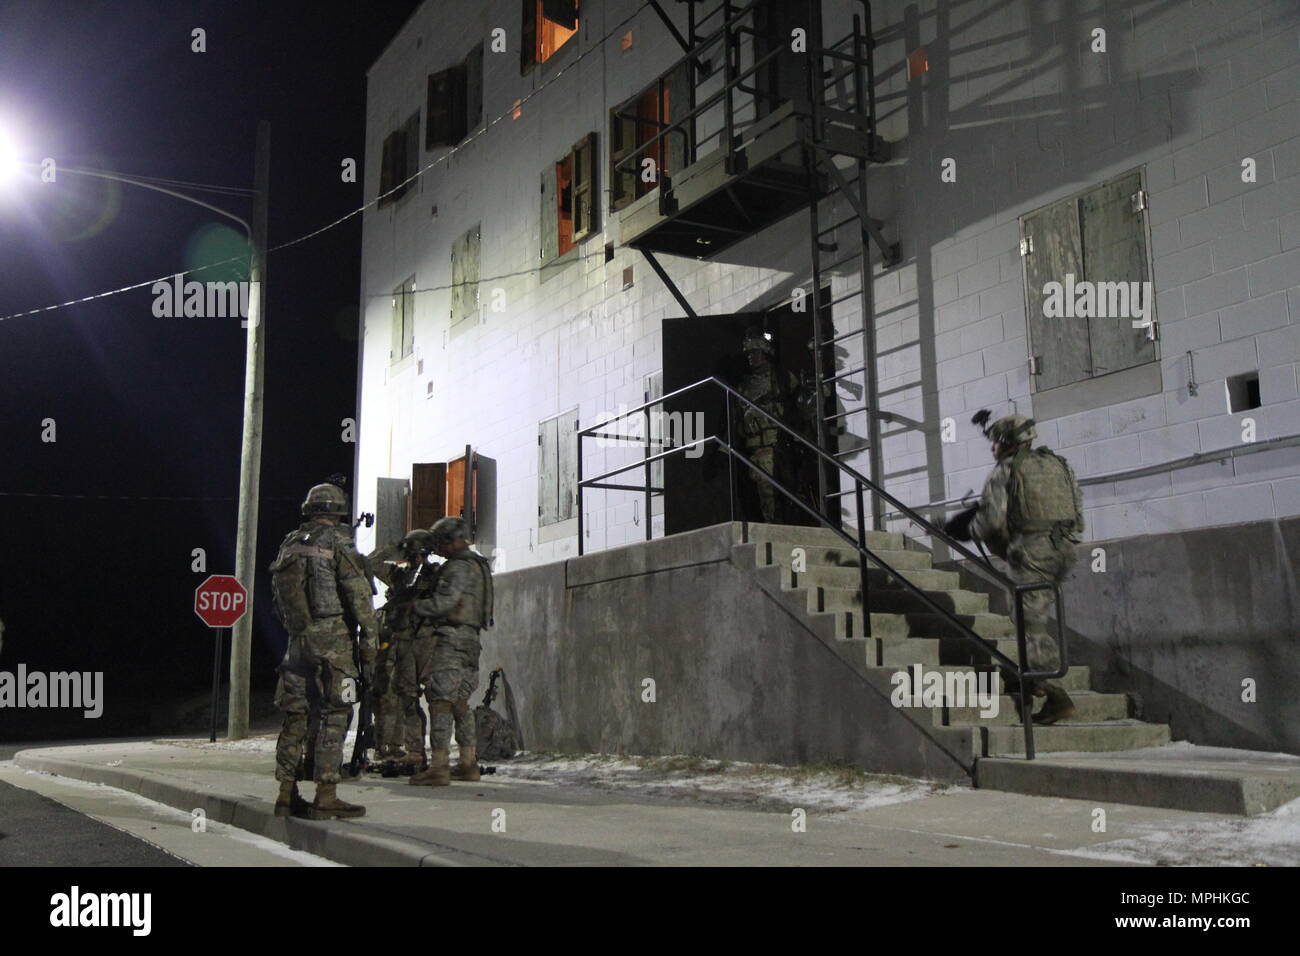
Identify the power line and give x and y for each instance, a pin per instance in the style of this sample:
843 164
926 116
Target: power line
599 45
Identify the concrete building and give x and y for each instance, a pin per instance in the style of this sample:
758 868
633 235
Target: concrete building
1019 145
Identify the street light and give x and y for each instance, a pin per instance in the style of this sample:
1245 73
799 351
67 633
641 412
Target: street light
250 464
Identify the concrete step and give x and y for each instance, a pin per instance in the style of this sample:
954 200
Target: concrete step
808 537
864 652
816 557
924 578
1178 776
1109 735
985 625
848 624
895 600
1090 708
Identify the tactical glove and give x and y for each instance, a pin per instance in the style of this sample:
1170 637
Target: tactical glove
958 526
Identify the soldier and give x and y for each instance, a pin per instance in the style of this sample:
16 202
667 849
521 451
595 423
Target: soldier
460 607
775 391
1031 515
409 580
321 592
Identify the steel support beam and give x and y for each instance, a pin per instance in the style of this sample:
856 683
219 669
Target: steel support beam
672 286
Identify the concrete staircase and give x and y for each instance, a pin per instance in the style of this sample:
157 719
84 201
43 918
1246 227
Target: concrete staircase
1102 753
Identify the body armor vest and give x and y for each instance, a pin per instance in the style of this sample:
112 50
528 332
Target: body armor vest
1041 492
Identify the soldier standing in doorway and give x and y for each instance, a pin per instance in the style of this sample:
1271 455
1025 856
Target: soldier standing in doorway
1031 515
460 607
322 593
775 391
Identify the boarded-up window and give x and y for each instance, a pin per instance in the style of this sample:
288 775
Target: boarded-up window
400 161
557 468
390 511
403 320
633 127
1085 267
454 101
428 494
464 278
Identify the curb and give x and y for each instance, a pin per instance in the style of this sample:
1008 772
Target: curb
350 842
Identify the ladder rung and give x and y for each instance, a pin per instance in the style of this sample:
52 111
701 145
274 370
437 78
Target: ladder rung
836 378
852 411
845 335
849 451
838 225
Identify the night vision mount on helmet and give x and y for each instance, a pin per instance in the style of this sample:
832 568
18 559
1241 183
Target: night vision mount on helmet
325 499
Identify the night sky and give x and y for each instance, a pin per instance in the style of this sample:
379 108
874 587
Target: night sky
151 407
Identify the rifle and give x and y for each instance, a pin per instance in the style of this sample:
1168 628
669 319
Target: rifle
365 739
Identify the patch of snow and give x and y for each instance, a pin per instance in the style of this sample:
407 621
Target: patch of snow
1270 839
713 781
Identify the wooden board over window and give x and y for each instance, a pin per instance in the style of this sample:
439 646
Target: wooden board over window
465 277
1097 238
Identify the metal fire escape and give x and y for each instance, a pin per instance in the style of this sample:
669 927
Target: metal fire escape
776 146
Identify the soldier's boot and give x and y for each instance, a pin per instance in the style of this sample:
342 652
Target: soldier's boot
290 802
438 773
412 758
467 766
328 805
1059 706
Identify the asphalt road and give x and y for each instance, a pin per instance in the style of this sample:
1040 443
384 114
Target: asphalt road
36 831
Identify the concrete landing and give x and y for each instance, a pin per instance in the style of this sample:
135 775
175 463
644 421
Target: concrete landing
1178 776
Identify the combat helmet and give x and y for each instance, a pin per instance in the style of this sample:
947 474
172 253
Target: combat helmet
325 499
417 540
756 340
448 529
1013 430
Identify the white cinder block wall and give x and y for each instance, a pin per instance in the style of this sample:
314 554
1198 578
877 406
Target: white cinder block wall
1031 115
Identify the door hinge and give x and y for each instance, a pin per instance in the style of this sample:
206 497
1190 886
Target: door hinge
1026 245
1035 365
1139 200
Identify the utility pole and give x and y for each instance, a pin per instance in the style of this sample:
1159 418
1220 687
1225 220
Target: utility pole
250 465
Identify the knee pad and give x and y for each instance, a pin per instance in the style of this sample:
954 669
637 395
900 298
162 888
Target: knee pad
439 707
460 707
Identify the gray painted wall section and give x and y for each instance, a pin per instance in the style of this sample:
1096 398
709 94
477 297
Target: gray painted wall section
737 677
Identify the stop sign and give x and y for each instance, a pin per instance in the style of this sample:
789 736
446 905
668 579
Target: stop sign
220 600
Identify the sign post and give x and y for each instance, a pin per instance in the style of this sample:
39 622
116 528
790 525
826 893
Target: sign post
220 602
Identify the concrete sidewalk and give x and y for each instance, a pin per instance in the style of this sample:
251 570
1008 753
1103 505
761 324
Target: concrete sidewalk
606 811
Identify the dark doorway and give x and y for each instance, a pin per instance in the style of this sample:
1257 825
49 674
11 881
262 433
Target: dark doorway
698 491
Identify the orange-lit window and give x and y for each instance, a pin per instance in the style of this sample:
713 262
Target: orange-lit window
557 22
564 202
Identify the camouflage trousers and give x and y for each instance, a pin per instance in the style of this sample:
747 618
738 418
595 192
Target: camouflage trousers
317 671
403 723
446 666
1036 557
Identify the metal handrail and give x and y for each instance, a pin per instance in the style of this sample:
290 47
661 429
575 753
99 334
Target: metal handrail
1019 668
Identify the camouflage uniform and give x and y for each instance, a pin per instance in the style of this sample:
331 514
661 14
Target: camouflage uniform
1031 514
460 607
400 684
321 590
774 391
